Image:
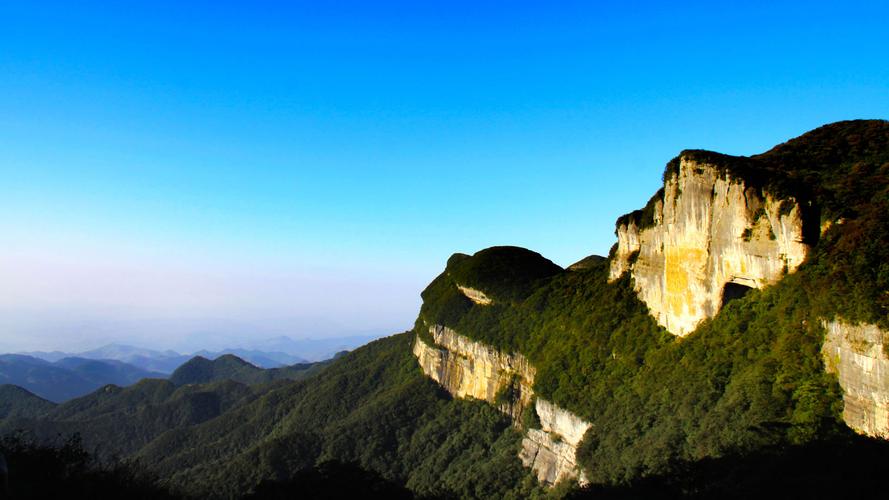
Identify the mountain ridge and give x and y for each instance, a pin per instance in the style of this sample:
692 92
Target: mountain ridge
558 325
68 377
520 378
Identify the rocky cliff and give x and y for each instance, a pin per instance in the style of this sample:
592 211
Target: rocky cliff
466 368
720 227
706 238
470 369
859 355
551 450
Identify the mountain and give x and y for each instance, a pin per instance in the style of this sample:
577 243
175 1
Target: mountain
200 370
372 407
262 359
104 371
68 377
723 322
732 344
16 402
269 353
146 359
51 356
119 421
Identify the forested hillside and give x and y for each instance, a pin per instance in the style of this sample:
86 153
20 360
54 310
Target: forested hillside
200 370
66 378
749 401
750 378
372 407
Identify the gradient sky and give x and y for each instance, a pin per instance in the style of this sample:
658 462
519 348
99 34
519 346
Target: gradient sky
193 174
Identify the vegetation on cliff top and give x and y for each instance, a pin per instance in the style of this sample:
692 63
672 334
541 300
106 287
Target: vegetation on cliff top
838 169
839 175
747 384
752 377
504 273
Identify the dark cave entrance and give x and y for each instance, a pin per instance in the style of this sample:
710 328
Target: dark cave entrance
733 291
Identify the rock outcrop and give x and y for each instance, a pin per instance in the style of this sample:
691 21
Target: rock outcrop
551 450
858 355
466 368
474 295
708 238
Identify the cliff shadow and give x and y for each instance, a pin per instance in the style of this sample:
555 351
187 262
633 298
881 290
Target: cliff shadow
732 291
839 468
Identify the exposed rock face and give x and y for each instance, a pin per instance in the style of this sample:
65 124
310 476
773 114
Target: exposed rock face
466 368
708 230
857 354
551 450
474 295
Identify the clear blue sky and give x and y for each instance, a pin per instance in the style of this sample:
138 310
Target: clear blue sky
183 173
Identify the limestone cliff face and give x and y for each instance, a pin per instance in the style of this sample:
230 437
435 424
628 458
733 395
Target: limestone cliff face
709 230
466 368
551 450
858 355
471 369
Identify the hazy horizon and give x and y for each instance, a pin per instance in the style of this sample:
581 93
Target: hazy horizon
184 175
72 336
306 347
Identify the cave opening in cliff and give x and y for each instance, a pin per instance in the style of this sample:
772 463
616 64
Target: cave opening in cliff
734 291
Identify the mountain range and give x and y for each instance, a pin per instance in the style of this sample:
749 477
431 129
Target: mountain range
267 353
68 377
71 377
733 344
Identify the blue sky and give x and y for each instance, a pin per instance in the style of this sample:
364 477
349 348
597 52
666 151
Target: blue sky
191 175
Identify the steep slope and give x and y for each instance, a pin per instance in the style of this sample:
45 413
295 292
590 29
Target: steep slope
372 407
749 372
722 220
579 374
706 238
468 369
731 223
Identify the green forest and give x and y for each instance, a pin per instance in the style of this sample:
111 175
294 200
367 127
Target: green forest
741 404
749 378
